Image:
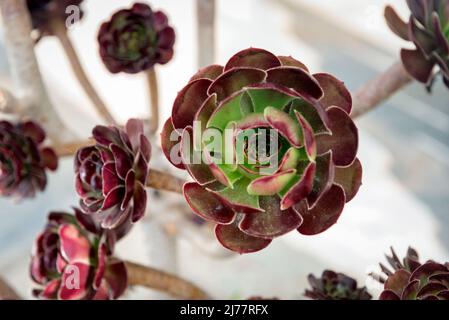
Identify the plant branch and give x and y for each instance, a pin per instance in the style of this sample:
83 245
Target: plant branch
162 281
9 104
154 99
60 31
206 32
7 292
373 93
69 149
29 86
164 181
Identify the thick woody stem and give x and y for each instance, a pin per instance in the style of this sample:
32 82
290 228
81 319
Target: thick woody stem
373 93
60 31
160 280
29 87
154 99
7 292
206 32
164 181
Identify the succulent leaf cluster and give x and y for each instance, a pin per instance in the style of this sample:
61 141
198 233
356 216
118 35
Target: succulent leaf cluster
136 39
264 192
428 29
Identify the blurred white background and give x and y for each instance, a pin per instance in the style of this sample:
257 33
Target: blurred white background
404 145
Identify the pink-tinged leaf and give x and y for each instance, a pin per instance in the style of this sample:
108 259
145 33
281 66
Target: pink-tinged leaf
87 221
324 176
36 269
74 282
410 290
188 102
289 160
145 148
350 178
60 263
129 189
232 238
113 198
50 291
285 125
199 171
33 130
171 146
216 170
205 112
289 61
73 245
389 295
207 205
49 159
103 291
443 295
139 202
114 217
271 185
211 72
335 92
417 65
234 80
251 121
109 176
309 137
300 190
123 161
397 281
343 141
101 267
134 129
253 58
106 135
325 213
297 79
272 223
117 277
395 23
422 38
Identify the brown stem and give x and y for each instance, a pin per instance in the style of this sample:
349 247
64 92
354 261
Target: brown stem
28 84
60 30
7 292
160 280
379 89
154 99
69 149
205 10
164 181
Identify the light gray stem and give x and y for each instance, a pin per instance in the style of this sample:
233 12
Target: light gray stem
206 32
29 87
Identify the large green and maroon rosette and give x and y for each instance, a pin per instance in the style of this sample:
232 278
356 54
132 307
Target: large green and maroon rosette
299 178
428 29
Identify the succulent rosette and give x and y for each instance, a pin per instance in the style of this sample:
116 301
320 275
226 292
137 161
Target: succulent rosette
136 39
411 280
111 175
288 156
335 286
428 29
43 12
23 159
72 260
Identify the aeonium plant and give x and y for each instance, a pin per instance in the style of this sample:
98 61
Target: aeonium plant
111 175
271 148
428 29
72 260
24 159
